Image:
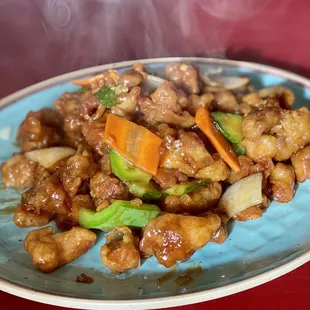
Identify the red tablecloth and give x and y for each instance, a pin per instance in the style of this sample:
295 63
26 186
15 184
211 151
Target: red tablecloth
43 38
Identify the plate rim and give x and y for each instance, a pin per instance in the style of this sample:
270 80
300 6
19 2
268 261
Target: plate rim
159 302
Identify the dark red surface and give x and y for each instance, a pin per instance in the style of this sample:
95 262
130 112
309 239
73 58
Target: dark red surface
43 38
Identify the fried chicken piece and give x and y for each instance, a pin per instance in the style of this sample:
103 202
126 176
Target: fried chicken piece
183 76
251 213
265 166
220 235
265 203
127 103
216 171
195 101
252 99
131 78
48 194
73 128
104 187
121 251
140 68
23 218
164 108
283 95
67 103
50 251
301 164
78 202
196 202
166 178
163 130
18 171
264 147
292 132
282 179
259 122
172 238
40 129
187 154
226 101
110 78
104 161
78 167
246 165
93 131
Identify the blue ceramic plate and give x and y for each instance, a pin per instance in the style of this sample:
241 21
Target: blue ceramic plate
254 253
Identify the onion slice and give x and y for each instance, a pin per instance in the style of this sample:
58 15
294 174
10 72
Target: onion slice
151 83
49 156
228 82
5 133
243 194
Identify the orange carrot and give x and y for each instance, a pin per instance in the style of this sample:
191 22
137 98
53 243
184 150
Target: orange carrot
135 143
205 124
88 81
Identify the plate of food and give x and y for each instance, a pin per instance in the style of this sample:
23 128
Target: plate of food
154 183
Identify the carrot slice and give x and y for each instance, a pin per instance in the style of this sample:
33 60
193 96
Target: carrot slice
205 124
88 81
133 142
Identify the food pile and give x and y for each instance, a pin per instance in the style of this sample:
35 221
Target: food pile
159 164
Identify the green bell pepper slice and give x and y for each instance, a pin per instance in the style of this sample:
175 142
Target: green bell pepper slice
185 187
125 171
144 190
119 213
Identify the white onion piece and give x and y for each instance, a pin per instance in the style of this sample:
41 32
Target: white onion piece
49 156
5 133
228 82
243 194
151 83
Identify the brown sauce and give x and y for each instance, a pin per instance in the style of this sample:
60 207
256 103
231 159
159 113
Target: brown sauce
83 278
166 277
189 276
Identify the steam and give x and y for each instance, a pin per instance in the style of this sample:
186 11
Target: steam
105 31
66 35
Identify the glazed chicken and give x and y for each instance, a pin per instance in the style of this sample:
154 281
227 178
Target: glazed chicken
173 238
162 107
121 251
18 172
186 154
23 218
301 164
196 202
282 179
50 251
40 129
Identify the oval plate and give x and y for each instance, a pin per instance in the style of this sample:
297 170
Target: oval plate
254 253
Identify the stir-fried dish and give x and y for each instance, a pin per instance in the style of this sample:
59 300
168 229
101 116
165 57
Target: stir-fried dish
160 165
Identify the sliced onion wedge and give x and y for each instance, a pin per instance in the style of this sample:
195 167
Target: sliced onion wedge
243 194
228 82
151 83
49 156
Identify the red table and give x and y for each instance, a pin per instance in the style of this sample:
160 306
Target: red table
43 38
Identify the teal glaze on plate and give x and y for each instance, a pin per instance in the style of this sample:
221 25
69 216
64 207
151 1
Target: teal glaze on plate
252 248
